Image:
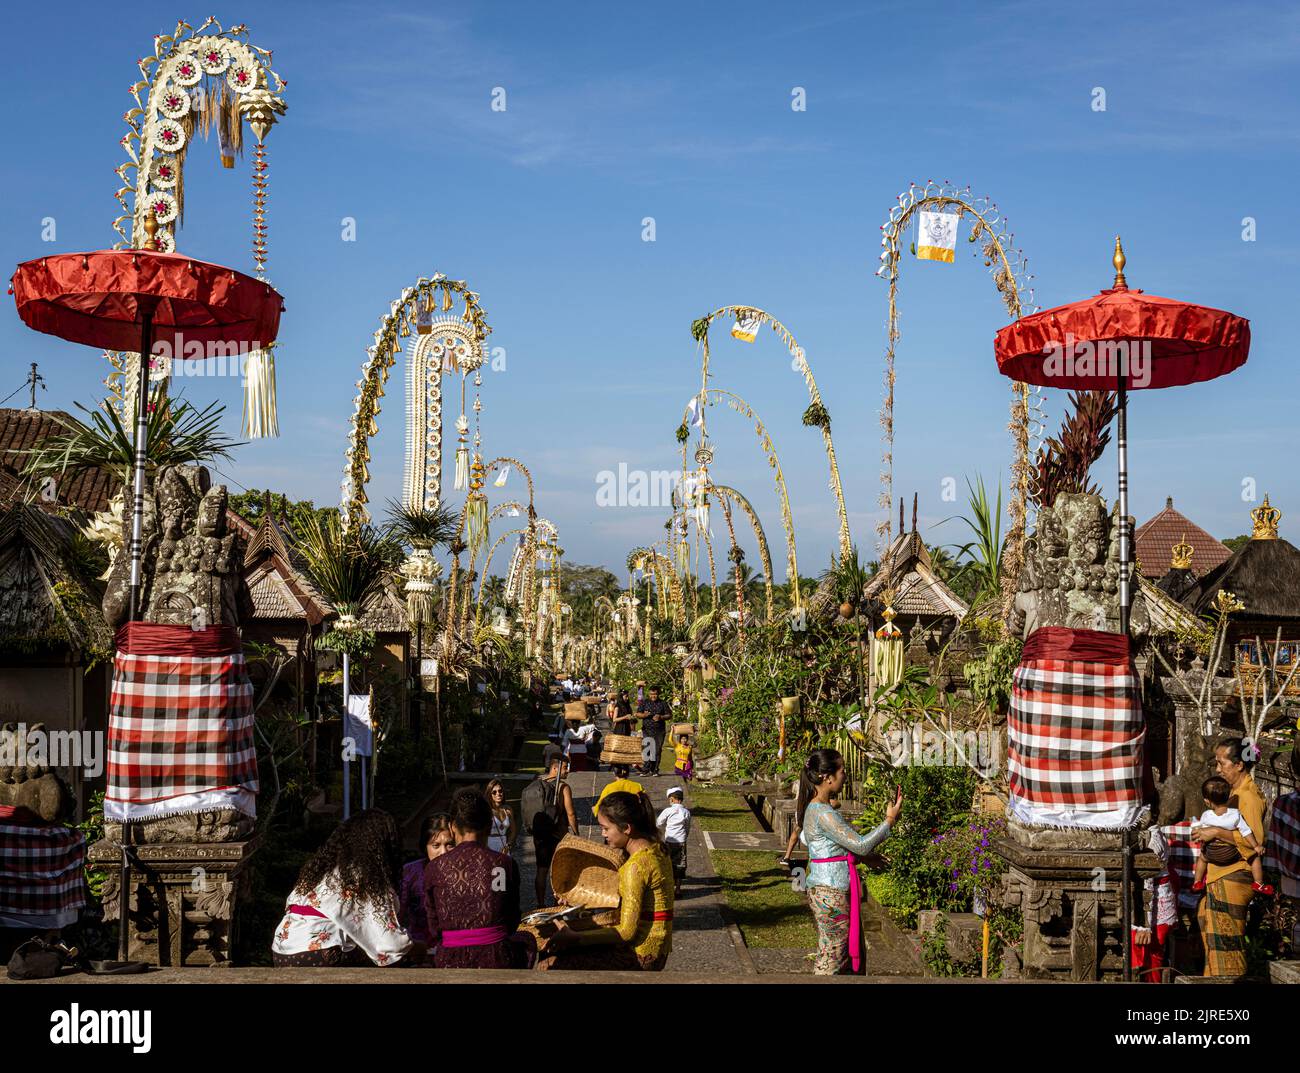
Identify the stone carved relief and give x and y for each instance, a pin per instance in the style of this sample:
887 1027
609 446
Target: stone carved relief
191 570
1070 575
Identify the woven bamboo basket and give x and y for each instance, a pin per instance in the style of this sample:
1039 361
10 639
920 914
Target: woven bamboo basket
575 711
586 873
683 728
620 749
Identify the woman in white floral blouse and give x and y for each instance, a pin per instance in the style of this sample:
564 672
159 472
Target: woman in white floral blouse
343 909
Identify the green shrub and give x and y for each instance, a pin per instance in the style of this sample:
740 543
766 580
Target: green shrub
935 799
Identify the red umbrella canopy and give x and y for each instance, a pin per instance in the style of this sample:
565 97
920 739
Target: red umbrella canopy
1156 342
100 298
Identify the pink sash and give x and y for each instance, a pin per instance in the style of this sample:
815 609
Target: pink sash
475 936
855 907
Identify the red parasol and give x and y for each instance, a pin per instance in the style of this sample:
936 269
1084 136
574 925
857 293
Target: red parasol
137 299
1187 343
1117 340
1123 339
100 299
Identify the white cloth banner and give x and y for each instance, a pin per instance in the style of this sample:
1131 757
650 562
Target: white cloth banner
357 724
936 238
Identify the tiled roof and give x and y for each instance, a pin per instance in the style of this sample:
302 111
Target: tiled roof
1155 540
20 431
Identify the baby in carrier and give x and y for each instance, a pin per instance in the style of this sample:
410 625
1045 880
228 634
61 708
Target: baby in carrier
1217 793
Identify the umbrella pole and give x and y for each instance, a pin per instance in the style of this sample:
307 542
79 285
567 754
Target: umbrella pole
1125 551
141 455
137 549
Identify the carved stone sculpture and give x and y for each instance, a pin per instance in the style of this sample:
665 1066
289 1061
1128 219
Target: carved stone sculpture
191 568
25 782
1070 575
191 575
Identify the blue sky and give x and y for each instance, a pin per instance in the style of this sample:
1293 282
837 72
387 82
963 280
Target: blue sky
683 113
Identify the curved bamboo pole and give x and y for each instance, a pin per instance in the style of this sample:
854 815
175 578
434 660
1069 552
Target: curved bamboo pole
724 493
816 414
778 475
1011 278
736 560
665 575
380 357
487 566
457 543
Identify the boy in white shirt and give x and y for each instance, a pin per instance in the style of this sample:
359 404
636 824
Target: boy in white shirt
675 823
1216 792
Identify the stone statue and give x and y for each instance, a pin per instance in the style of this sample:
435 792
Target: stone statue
26 782
192 565
1070 575
191 575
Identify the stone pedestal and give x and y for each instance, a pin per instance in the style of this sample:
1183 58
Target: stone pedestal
1068 885
1193 759
184 898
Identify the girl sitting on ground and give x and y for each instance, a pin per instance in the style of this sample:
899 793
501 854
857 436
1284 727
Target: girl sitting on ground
642 938
436 838
343 909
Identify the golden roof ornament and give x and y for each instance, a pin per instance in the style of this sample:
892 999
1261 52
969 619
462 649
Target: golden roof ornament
1119 261
1265 518
1182 555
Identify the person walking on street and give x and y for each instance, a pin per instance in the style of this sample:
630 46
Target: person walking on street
546 808
675 824
654 727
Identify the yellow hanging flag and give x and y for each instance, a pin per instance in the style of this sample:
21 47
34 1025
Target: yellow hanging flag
936 238
745 329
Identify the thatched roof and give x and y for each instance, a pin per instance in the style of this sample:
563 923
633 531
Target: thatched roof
44 605
1164 612
385 611
277 578
1175 583
1264 574
908 567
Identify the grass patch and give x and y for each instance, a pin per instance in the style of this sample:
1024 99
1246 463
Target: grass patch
760 896
721 810
763 902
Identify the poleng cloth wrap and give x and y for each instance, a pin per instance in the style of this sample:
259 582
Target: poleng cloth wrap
1283 844
1183 855
42 870
1075 731
180 727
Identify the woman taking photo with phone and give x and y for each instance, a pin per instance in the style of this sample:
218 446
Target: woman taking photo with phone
833 848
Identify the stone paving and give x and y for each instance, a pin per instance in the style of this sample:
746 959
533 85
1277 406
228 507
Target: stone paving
703 941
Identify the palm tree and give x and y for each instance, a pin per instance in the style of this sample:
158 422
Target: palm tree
421 527
348 567
494 590
179 434
981 573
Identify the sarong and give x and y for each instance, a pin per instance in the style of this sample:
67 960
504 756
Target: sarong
1282 847
42 871
1222 919
830 908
